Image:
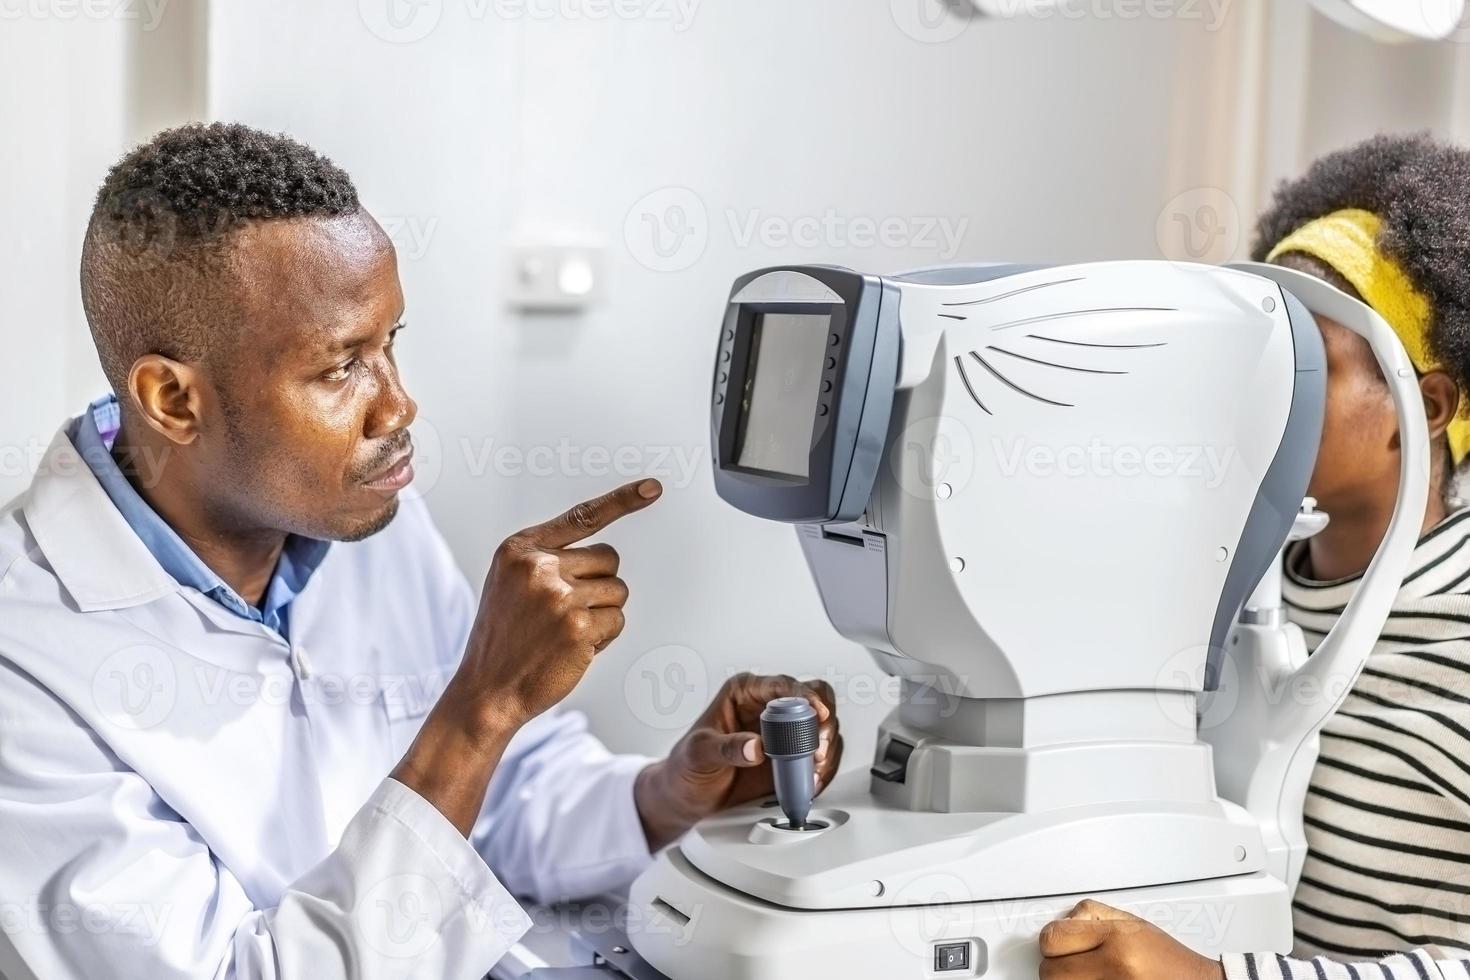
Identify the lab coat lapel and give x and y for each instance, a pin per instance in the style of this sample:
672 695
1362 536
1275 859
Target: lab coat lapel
99 560
201 703
236 743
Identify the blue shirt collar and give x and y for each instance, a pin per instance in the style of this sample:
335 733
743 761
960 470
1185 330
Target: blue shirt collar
93 437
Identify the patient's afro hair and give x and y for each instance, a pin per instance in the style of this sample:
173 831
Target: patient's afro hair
155 260
1420 187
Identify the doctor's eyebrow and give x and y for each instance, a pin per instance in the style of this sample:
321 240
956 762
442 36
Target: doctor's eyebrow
352 340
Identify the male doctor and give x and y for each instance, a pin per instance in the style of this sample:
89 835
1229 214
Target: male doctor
230 748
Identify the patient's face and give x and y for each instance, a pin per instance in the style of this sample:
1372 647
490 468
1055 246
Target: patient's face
1358 458
310 404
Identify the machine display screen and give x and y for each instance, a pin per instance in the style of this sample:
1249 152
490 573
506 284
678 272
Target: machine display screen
779 405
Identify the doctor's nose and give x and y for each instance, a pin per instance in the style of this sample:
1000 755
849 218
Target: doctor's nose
392 410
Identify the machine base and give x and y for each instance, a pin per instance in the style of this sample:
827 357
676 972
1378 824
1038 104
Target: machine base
691 927
876 855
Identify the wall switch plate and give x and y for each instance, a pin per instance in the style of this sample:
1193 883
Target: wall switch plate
556 277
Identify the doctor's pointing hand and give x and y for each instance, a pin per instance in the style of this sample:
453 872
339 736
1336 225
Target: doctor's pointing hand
568 602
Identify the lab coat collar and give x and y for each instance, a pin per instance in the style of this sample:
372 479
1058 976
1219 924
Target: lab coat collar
298 560
95 554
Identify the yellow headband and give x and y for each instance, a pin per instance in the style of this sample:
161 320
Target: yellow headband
1347 241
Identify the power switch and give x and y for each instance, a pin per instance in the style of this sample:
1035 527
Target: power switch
951 957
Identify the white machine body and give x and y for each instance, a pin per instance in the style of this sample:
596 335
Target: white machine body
1052 501
1271 699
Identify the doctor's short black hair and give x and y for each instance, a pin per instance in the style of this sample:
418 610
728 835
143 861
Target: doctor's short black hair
1419 187
155 260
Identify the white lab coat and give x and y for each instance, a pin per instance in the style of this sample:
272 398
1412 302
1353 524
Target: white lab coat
182 794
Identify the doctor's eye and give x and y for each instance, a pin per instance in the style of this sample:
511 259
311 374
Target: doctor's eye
340 373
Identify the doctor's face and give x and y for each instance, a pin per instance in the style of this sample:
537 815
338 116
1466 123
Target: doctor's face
315 415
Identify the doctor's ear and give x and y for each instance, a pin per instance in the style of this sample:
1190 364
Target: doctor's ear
167 395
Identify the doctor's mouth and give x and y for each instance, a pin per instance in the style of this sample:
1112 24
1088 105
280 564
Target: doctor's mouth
395 475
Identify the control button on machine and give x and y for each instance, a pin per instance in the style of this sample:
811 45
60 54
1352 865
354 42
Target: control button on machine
895 765
951 956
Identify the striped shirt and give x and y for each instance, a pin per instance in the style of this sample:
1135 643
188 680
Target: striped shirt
1385 889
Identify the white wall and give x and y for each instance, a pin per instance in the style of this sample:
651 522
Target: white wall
1050 140
1054 141
1330 87
65 67
82 84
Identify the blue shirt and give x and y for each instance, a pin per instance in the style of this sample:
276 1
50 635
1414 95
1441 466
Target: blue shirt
95 433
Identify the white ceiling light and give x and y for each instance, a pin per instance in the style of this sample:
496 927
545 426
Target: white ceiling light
1397 20
1383 20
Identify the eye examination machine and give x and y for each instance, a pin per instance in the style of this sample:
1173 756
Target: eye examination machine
1052 502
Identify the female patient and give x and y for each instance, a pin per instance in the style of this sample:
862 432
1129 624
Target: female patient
1386 887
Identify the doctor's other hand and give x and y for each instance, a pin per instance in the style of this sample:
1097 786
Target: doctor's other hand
549 606
1098 942
719 763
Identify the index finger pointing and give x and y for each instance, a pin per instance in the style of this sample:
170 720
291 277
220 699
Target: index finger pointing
591 516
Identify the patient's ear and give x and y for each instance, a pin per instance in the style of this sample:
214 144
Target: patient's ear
1441 401
167 396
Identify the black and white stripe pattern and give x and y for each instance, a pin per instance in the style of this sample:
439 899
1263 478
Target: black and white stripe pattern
1388 809
1415 965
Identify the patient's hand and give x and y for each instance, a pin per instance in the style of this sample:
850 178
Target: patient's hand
719 762
1098 942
